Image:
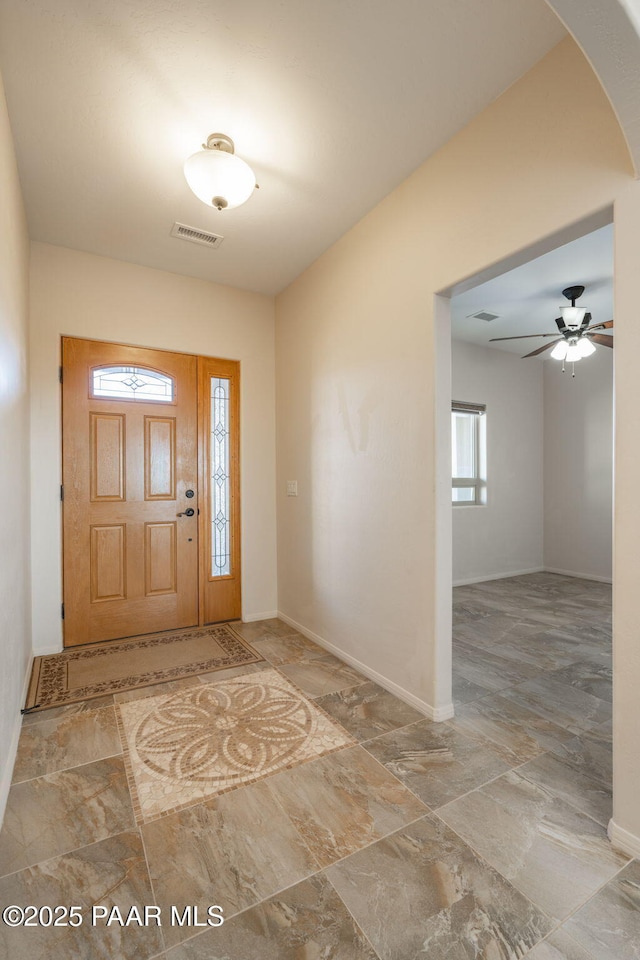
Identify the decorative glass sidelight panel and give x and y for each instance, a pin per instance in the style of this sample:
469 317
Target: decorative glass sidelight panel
220 478
132 383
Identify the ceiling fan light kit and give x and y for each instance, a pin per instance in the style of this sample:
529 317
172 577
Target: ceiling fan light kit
572 316
585 347
577 333
217 176
573 352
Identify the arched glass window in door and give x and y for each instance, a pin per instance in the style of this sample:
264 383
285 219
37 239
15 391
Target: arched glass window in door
132 383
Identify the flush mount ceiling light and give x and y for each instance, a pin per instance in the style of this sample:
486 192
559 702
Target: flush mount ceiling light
217 176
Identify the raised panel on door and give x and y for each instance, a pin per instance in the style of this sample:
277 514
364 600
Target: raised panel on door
108 562
161 575
107 456
160 458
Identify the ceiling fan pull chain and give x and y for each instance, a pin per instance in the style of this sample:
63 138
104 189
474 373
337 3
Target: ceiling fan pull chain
573 369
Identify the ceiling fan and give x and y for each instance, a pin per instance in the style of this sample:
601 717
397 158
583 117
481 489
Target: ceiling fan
577 333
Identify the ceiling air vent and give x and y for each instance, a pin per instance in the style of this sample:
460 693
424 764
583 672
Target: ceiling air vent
484 315
183 232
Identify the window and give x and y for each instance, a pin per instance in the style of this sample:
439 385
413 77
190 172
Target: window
131 383
468 458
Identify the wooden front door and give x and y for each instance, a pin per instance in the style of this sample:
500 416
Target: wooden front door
130 473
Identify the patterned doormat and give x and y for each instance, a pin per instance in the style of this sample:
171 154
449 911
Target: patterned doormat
101 668
183 748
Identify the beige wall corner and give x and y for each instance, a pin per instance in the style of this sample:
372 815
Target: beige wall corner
578 469
444 712
626 523
15 628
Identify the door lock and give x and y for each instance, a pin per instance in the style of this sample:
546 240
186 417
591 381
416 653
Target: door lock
189 512
189 494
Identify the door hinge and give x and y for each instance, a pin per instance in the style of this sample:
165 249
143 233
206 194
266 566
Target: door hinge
62 611
61 491
60 374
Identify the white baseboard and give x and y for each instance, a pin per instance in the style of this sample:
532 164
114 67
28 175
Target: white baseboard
522 573
7 773
622 840
251 617
433 713
579 576
498 576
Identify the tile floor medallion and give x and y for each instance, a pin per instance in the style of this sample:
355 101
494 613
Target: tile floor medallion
182 748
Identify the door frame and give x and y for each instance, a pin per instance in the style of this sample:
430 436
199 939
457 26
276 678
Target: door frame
207 367
441 499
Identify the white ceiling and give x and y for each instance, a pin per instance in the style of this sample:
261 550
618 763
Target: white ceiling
333 104
527 299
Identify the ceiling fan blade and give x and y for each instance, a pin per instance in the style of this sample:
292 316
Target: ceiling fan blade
525 336
545 346
600 326
602 339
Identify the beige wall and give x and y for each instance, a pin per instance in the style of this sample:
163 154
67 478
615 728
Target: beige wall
356 371
15 640
626 525
504 536
578 466
79 294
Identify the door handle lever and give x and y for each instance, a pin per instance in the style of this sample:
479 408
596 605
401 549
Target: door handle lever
189 512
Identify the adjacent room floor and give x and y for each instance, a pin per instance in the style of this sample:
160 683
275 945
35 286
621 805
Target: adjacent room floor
328 819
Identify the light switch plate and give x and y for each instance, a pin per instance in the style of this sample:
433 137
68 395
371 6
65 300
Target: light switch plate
292 488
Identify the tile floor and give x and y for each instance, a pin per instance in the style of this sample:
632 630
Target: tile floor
388 838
